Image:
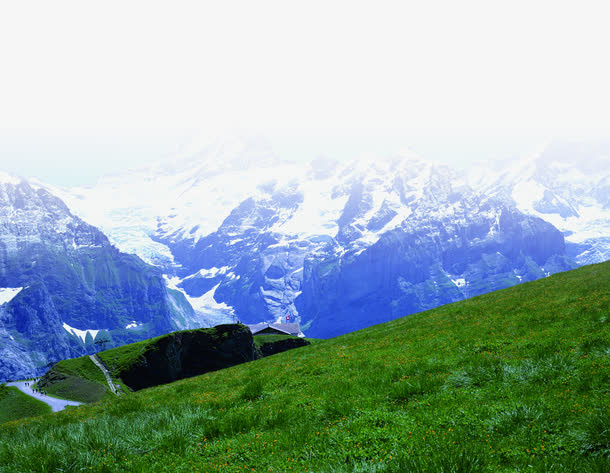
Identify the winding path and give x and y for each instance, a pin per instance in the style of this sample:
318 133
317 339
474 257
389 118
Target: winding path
56 404
101 366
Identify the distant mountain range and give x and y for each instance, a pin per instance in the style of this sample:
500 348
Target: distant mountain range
338 246
227 231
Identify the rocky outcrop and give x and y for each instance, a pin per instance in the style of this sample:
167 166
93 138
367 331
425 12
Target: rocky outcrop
189 353
272 347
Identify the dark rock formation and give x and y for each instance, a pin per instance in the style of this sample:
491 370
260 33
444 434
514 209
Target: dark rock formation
272 347
190 353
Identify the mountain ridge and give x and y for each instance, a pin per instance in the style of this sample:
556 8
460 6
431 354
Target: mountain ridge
238 243
69 285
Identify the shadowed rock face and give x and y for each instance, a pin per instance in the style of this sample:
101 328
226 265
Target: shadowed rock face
416 267
278 346
185 354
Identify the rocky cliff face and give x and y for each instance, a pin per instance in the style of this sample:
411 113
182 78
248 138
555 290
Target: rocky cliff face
416 268
168 358
565 184
68 285
274 346
190 353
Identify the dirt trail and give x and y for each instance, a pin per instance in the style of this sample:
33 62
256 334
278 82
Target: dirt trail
101 366
56 404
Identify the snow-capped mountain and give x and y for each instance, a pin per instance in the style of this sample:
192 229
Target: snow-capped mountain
62 284
566 184
339 246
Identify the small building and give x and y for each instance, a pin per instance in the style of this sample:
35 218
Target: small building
276 329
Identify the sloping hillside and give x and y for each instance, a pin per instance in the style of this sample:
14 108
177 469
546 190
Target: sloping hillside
516 380
161 360
14 404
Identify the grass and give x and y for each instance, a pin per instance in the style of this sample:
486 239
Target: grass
77 379
513 381
16 405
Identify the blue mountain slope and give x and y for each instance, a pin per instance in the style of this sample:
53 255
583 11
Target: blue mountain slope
63 274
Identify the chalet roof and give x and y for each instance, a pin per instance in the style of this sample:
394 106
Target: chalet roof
288 329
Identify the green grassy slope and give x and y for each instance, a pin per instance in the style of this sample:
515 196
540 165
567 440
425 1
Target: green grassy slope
77 379
16 405
516 380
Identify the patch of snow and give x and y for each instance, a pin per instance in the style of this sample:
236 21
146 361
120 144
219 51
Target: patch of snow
82 334
8 293
213 272
526 193
205 303
172 282
460 282
317 214
593 222
78 247
283 243
133 324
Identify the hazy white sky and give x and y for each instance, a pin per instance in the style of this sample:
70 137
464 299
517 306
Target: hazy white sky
93 86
